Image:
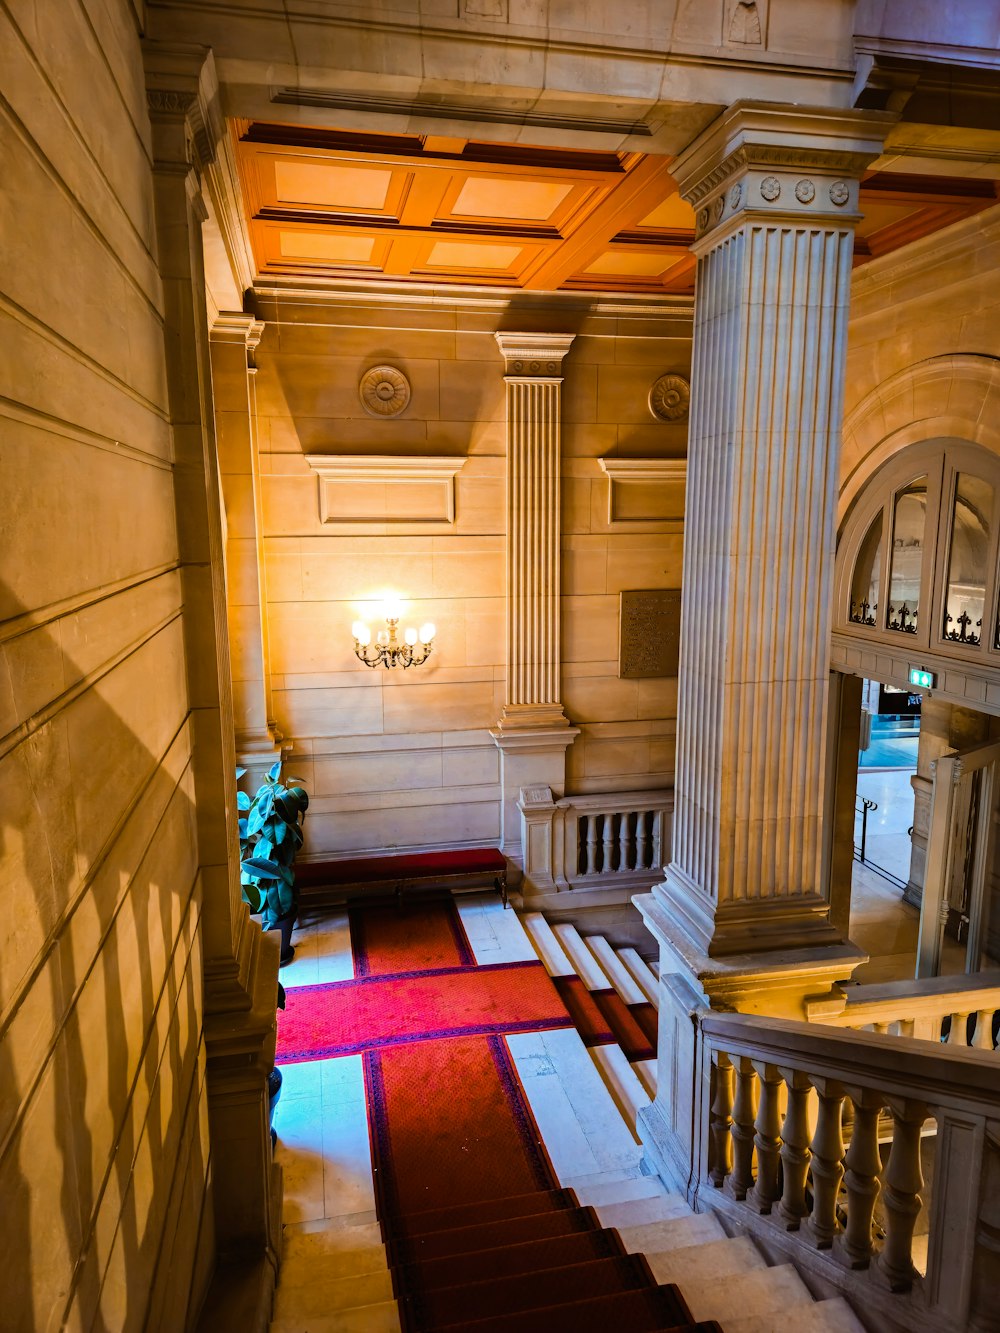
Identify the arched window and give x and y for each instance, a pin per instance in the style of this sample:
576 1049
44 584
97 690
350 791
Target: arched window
919 554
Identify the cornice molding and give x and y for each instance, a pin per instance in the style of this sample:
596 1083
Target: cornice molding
534 355
937 250
182 92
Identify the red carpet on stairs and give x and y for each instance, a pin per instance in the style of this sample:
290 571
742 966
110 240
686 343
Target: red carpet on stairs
479 1235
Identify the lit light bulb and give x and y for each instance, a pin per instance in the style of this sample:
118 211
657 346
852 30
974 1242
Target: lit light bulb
361 632
427 632
411 637
382 637
391 608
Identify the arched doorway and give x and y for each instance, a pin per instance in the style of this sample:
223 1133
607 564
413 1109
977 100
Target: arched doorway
917 610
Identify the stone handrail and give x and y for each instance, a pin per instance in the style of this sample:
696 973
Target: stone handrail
918 1008
789 1149
597 841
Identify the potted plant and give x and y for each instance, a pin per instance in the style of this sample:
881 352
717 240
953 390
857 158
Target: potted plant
270 836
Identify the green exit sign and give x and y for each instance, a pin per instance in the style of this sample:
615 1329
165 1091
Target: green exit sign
924 680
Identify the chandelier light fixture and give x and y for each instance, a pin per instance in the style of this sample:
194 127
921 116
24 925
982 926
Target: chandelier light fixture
387 650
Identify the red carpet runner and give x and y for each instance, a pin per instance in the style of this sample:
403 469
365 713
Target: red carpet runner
478 1233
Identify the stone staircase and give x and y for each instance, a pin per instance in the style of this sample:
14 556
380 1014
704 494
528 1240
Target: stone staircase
337 1277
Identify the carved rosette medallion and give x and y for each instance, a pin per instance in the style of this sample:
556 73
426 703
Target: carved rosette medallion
770 188
669 398
840 192
805 192
384 391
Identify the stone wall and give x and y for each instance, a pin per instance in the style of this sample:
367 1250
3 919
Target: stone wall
103 1132
405 759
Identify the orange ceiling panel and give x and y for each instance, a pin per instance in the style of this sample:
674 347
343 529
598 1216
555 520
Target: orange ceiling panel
443 209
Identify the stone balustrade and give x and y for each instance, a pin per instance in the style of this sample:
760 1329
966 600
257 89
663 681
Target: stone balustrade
786 1142
603 841
961 1010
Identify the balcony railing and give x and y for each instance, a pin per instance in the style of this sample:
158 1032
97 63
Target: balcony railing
599 841
961 1010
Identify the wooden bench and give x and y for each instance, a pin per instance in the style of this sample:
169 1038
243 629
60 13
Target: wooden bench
315 879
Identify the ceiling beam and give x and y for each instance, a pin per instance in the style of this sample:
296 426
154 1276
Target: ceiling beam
647 184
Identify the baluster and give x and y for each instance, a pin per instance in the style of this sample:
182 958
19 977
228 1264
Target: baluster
657 816
982 1038
827 1148
863 1165
882 1028
767 1139
721 1119
903 1179
740 1179
641 834
623 856
905 1026
959 1034
607 847
794 1151
591 866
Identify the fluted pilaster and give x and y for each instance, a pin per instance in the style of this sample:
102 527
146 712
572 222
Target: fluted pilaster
776 199
534 381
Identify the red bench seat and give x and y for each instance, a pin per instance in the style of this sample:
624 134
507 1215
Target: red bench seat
399 872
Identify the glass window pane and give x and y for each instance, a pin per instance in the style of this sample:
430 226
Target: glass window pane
867 572
972 520
908 522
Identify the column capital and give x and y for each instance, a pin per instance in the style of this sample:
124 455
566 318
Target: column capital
230 326
182 94
534 356
777 163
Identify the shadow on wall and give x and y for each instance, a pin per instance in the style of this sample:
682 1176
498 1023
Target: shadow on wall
102 1144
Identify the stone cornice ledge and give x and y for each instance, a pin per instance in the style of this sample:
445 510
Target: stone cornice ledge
644 469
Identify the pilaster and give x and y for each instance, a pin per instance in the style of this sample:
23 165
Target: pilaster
533 732
240 969
234 337
775 191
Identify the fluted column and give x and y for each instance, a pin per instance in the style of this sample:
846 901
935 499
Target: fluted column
533 732
776 194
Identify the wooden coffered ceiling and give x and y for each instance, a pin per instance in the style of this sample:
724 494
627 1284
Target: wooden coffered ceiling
429 208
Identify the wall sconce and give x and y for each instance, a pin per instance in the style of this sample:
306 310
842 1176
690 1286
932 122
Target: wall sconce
387 650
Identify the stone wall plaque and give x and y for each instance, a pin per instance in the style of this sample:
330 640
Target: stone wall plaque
650 637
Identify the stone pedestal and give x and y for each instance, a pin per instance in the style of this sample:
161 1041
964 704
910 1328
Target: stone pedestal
533 732
775 191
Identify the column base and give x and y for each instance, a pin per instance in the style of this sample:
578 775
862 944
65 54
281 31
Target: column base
766 980
256 752
517 718
750 926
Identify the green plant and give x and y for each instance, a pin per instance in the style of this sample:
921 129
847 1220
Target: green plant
270 836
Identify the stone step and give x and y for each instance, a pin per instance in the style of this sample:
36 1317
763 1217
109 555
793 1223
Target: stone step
762 1292
381 1318
646 1071
586 966
548 948
639 1212
695 1263
297 1300
615 970
832 1316
645 978
617 1191
622 1082
355 1247
676 1233
602 1177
